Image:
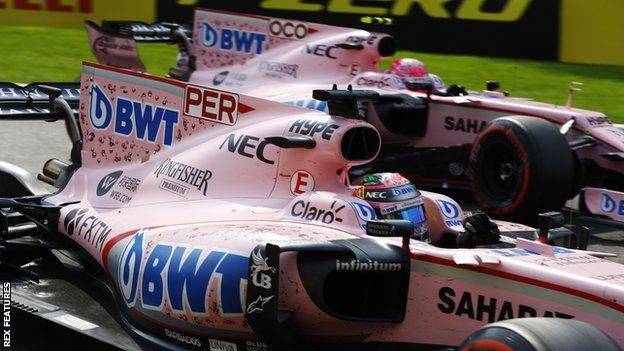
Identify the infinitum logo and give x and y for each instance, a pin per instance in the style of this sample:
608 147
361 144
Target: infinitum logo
354 265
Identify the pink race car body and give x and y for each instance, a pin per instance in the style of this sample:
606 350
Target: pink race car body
218 226
426 135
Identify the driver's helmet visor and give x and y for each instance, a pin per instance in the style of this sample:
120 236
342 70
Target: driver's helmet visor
413 211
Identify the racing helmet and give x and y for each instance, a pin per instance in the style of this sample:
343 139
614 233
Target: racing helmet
394 197
408 67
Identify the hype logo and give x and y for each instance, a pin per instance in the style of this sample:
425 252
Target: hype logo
607 204
229 39
142 119
129 268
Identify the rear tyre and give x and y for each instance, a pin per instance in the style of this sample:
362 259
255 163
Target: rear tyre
520 166
539 334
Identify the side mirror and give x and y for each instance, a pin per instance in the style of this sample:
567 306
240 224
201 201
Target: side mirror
547 221
391 228
492 85
564 237
419 84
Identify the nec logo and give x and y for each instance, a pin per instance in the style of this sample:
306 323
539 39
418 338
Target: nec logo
228 39
142 120
213 105
322 50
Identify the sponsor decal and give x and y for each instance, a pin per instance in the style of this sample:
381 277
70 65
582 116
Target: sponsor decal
616 131
259 265
609 205
220 77
310 127
370 40
456 169
516 252
178 171
247 146
287 29
211 104
256 346
365 211
184 338
322 50
258 304
278 67
471 10
450 211
220 345
399 193
311 104
490 309
107 183
355 265
92 229
124 189
181 275
301 182
598 121
232 40
382 82
354 69
142 120
102 44
466 125
394 207
304 210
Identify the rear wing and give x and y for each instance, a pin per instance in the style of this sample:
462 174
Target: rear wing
45 101
115 44
36 100
159 32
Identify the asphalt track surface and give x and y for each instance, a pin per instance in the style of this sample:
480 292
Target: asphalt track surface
29 144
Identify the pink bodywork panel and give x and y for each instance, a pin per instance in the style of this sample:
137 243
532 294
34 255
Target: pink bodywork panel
220 188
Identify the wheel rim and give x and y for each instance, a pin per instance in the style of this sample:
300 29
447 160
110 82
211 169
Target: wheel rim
501 172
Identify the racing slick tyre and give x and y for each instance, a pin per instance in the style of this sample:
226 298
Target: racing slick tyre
539 334
520 166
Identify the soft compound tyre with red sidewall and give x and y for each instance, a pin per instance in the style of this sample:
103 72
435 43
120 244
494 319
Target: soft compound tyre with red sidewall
520 166
539 334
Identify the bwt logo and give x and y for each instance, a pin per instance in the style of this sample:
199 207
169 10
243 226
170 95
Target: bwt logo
228 39
451 212
608 205
144 120
182 275
213 105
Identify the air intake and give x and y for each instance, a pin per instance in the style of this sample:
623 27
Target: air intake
360 144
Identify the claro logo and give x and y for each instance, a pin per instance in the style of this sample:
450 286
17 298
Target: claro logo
509 11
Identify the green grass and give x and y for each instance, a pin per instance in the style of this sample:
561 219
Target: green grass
54 54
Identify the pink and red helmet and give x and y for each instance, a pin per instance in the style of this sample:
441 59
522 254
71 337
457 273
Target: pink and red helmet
408 67
394 197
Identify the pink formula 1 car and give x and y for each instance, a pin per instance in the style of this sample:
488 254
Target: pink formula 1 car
197 218
519 156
